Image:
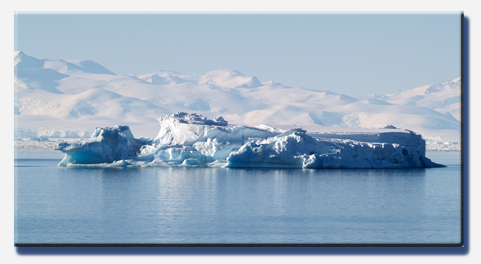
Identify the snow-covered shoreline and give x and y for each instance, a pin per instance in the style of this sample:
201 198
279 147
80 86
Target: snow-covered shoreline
443 146
40 144
50 145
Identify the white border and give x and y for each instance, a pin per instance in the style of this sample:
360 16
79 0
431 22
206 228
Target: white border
470 9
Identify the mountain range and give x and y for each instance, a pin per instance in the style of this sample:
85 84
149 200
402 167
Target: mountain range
59 98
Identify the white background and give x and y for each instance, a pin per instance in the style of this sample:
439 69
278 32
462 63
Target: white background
7 249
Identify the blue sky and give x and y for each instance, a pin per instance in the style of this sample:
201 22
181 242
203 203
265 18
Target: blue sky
353 54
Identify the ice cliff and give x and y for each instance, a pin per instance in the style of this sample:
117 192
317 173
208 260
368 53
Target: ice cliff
188 139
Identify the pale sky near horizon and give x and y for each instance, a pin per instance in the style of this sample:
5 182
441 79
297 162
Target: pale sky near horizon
353 54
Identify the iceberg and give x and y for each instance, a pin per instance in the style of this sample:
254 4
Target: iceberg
107 145
189 139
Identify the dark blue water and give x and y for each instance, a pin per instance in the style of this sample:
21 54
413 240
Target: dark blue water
214 205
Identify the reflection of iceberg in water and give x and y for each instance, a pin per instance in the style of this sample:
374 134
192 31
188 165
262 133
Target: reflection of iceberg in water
193 140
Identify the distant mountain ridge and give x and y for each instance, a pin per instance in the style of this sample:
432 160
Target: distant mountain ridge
57 95
444 97
23 61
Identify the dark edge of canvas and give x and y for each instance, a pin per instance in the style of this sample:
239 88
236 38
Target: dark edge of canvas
461 248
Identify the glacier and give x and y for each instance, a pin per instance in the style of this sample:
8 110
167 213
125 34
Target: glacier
189 139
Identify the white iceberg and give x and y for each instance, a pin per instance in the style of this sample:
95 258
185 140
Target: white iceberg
193 140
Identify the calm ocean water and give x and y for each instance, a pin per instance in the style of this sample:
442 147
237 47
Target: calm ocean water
214 205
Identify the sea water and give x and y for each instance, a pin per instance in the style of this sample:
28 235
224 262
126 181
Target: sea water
217 205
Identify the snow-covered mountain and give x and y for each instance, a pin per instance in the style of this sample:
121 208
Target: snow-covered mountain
444 97
72 98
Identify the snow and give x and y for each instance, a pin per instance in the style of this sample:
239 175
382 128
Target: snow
444 97
56 96
34 144
443 146
189 139
186 129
